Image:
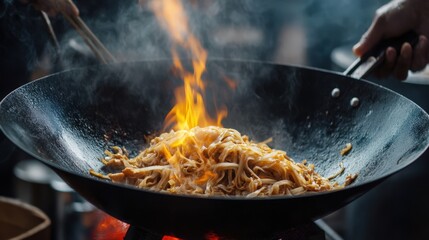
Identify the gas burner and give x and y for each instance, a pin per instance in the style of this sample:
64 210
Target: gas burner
309 231
135 233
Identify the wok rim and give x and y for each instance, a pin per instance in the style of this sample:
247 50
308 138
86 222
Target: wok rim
353 186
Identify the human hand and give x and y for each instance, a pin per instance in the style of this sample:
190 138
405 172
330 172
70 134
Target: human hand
53 7
392 20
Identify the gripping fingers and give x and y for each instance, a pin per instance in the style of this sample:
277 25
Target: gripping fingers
404 62
420 54
53 7
389 63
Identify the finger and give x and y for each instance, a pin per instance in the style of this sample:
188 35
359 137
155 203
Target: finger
427 51
48 6
67 7
419 54
45 6
370 38
51 12
404 62
389 63
53 7
71 8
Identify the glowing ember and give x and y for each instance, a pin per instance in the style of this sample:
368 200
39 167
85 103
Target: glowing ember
189 110
170 238
110 228
212 236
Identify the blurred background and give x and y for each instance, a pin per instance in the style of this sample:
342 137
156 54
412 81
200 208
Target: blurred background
308 33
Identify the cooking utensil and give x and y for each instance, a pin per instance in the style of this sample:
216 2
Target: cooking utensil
343 56
370 60
68 119
99 50
52 36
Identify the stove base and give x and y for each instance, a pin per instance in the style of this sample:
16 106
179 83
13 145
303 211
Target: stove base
310 231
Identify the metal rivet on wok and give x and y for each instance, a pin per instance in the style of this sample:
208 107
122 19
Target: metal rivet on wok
335 92
354 102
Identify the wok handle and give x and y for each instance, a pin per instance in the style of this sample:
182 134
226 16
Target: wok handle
370 60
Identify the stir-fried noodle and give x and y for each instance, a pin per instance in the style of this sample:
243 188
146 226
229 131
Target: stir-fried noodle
214 161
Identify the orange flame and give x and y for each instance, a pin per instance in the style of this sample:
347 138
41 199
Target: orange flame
189 110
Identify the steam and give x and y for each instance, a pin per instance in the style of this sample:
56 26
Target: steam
299 32
242 29
276 30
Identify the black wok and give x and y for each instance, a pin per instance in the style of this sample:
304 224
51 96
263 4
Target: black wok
68 119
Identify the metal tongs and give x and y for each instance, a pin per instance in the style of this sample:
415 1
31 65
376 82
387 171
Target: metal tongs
370 60
99 50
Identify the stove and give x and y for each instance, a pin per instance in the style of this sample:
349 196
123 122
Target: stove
114 229
309 231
